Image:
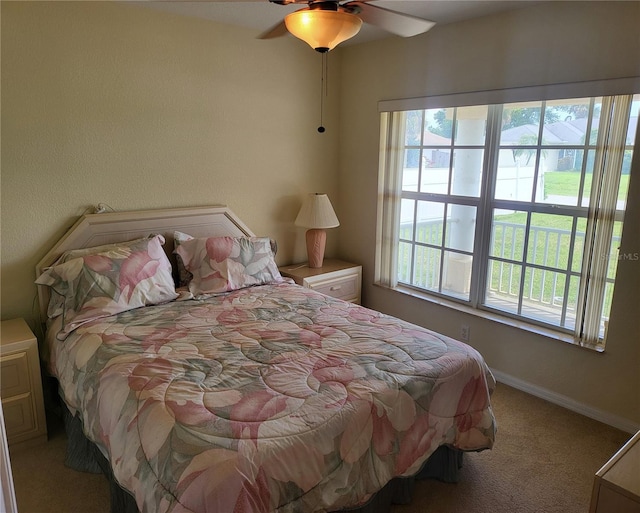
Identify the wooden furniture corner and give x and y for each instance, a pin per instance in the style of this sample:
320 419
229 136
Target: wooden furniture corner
21 384
616 487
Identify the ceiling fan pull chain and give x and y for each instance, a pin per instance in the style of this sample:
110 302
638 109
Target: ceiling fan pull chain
325 62
323 89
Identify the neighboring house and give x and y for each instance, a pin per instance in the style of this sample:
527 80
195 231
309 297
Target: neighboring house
569 132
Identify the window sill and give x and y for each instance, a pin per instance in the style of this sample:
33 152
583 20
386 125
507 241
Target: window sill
494 317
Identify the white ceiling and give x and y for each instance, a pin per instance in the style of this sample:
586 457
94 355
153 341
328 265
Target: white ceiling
261 15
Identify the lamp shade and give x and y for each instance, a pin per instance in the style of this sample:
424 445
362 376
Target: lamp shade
322 30
317 212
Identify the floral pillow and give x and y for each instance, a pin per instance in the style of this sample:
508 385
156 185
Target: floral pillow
222 264
56 302
121 278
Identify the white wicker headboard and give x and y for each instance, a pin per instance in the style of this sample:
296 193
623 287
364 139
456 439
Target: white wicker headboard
97 229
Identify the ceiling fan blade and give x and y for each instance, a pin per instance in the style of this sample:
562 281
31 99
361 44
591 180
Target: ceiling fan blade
276 31
395 22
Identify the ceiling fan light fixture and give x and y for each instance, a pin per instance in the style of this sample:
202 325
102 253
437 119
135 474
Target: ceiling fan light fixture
322 30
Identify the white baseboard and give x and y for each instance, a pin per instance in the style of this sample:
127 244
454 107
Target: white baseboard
568 403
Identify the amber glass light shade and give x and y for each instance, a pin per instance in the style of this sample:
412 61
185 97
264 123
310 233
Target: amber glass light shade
322 30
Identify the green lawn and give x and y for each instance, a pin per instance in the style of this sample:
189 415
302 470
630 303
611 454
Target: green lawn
567 183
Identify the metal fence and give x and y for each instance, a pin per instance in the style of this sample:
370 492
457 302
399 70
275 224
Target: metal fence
547 247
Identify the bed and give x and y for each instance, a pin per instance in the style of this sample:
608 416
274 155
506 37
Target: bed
200 380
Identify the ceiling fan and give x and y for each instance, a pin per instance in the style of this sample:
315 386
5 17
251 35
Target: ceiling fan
324 24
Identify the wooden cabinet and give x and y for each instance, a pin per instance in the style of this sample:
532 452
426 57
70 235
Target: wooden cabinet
335 278
21 383
616 488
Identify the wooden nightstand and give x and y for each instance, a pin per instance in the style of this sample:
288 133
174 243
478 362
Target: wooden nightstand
335 278
21 383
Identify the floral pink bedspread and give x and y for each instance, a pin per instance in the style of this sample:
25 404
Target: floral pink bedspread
269 399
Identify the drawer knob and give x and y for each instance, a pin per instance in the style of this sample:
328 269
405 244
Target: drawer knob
336 287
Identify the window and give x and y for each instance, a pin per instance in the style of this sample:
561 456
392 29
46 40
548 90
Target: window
515 208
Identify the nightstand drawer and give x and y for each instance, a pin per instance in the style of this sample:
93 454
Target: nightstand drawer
346 288
19 417
20 384
336 278
14 375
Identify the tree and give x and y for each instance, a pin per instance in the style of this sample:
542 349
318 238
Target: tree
443 126
513 117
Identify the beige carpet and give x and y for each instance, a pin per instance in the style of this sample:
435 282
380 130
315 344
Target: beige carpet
543 461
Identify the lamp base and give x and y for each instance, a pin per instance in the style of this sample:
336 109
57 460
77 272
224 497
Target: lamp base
316 241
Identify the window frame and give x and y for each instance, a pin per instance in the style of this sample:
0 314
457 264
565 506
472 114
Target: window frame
485 203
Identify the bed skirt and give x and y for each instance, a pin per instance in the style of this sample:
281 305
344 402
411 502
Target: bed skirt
83 455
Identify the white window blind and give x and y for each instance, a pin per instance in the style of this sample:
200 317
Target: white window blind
612 133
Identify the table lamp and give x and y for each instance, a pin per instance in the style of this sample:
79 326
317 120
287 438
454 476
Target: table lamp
316 214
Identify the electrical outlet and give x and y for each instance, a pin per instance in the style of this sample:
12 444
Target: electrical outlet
464 332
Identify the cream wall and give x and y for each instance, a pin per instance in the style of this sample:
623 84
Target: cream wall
140 109
552 43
